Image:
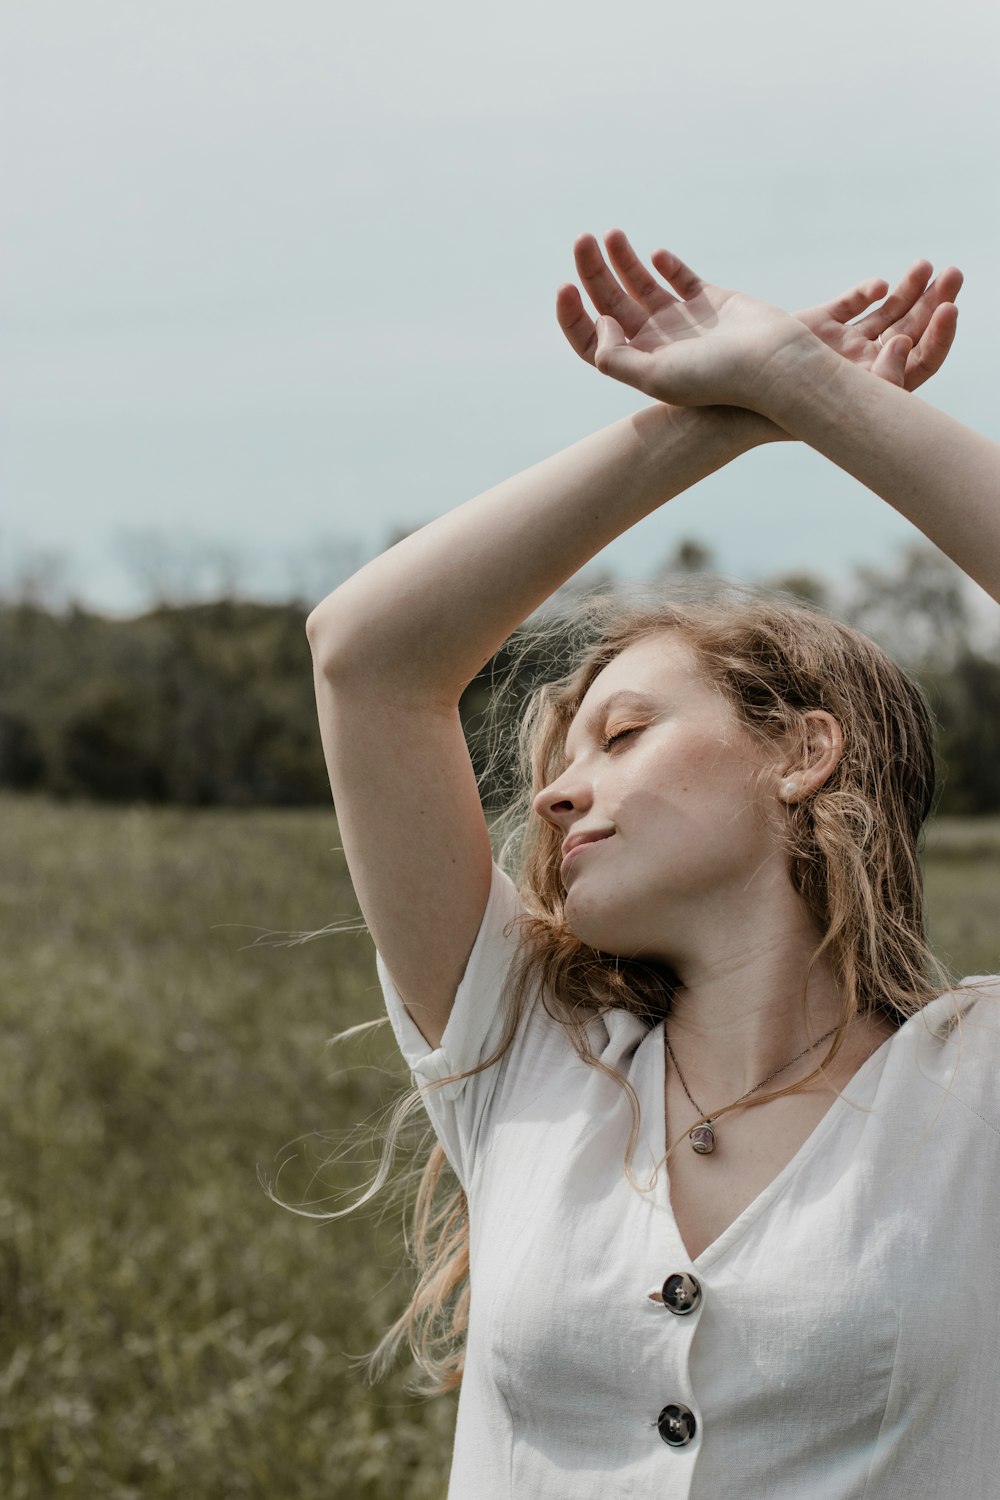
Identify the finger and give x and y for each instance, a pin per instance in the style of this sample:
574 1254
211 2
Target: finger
890 364
943 289
603 290
614 356
930 353
639 282
899 302
681 277
852 303
575 322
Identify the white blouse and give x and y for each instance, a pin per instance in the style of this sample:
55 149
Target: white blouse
839 1341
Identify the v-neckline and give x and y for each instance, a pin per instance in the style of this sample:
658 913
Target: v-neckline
743 1220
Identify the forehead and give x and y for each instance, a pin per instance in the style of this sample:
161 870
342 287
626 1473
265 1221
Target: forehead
661 669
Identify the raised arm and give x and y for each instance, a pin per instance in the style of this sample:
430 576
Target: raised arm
708 344
939 474
396 645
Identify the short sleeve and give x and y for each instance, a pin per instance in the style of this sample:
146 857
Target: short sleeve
458 1110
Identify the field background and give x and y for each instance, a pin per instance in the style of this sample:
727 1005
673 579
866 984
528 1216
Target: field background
166 1330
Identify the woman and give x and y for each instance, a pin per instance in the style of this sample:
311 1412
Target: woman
685 1282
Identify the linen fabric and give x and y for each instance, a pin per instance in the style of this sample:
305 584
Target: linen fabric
847 1343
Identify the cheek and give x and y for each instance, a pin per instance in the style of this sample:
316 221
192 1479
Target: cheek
700 771
694 795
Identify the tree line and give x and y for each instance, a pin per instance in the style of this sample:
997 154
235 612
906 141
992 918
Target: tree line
211 704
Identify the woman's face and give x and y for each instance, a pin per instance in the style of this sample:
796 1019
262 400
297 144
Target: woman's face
666 819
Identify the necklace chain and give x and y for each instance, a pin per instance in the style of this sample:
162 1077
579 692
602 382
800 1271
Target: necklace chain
708 1118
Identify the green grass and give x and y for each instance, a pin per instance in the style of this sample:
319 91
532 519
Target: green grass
165 1329
962 883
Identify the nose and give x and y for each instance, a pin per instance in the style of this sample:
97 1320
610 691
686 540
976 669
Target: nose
563 800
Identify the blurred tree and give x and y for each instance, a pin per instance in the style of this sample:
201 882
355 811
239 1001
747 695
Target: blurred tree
966 699
316 568
208 704
22 763
106 750
805 586
688 557
36 578
919 611
212 703
171 569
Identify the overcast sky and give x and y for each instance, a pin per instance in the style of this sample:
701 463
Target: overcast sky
279 277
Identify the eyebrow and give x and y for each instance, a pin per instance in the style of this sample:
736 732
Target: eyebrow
624 697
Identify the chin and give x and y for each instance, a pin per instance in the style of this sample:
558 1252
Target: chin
607 924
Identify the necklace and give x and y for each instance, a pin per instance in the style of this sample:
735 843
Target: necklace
702 1136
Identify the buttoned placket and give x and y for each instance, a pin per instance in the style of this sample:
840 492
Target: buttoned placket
676 1305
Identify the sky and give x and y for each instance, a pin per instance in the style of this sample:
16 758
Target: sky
278 278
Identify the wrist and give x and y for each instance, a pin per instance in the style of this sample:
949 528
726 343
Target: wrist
663 449
801 372
728 430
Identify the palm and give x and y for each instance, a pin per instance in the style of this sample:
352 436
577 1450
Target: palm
670 330
924 313
687 342
681 322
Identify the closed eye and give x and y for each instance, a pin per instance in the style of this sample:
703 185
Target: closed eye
619 735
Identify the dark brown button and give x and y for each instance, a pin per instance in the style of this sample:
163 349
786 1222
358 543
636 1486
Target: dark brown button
681 1293
677 1425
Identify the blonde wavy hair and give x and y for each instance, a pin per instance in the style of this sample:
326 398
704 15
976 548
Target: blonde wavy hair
853 850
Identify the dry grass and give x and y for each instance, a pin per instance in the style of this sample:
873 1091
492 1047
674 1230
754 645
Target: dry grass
165 1329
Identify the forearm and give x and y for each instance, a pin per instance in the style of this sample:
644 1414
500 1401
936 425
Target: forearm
940 475
427 614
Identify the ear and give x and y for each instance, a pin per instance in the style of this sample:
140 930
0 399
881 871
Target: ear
816 759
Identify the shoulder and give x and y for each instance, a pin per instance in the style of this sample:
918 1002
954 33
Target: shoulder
972 1005
956 1043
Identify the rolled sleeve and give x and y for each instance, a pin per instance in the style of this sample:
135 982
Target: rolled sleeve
473 1031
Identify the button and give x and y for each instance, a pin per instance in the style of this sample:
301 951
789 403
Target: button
677 1425
681 1293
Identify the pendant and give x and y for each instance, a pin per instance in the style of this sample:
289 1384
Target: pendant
702 1139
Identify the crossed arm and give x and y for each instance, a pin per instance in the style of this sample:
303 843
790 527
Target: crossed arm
707 344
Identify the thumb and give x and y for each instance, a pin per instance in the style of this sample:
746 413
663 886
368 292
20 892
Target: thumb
614 355
610 339
891 362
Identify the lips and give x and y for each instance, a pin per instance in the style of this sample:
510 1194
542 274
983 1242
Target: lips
574 846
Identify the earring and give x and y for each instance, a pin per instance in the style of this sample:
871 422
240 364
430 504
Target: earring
790 788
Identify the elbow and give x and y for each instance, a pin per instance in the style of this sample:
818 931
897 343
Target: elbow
344 640
328 638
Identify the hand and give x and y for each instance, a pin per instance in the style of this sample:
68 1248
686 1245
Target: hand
916 323
907 339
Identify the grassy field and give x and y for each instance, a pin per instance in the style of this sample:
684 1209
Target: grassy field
165 1329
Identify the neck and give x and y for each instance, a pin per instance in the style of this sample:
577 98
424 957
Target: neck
739 1016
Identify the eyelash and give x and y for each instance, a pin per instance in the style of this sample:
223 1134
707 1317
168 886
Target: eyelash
619 734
